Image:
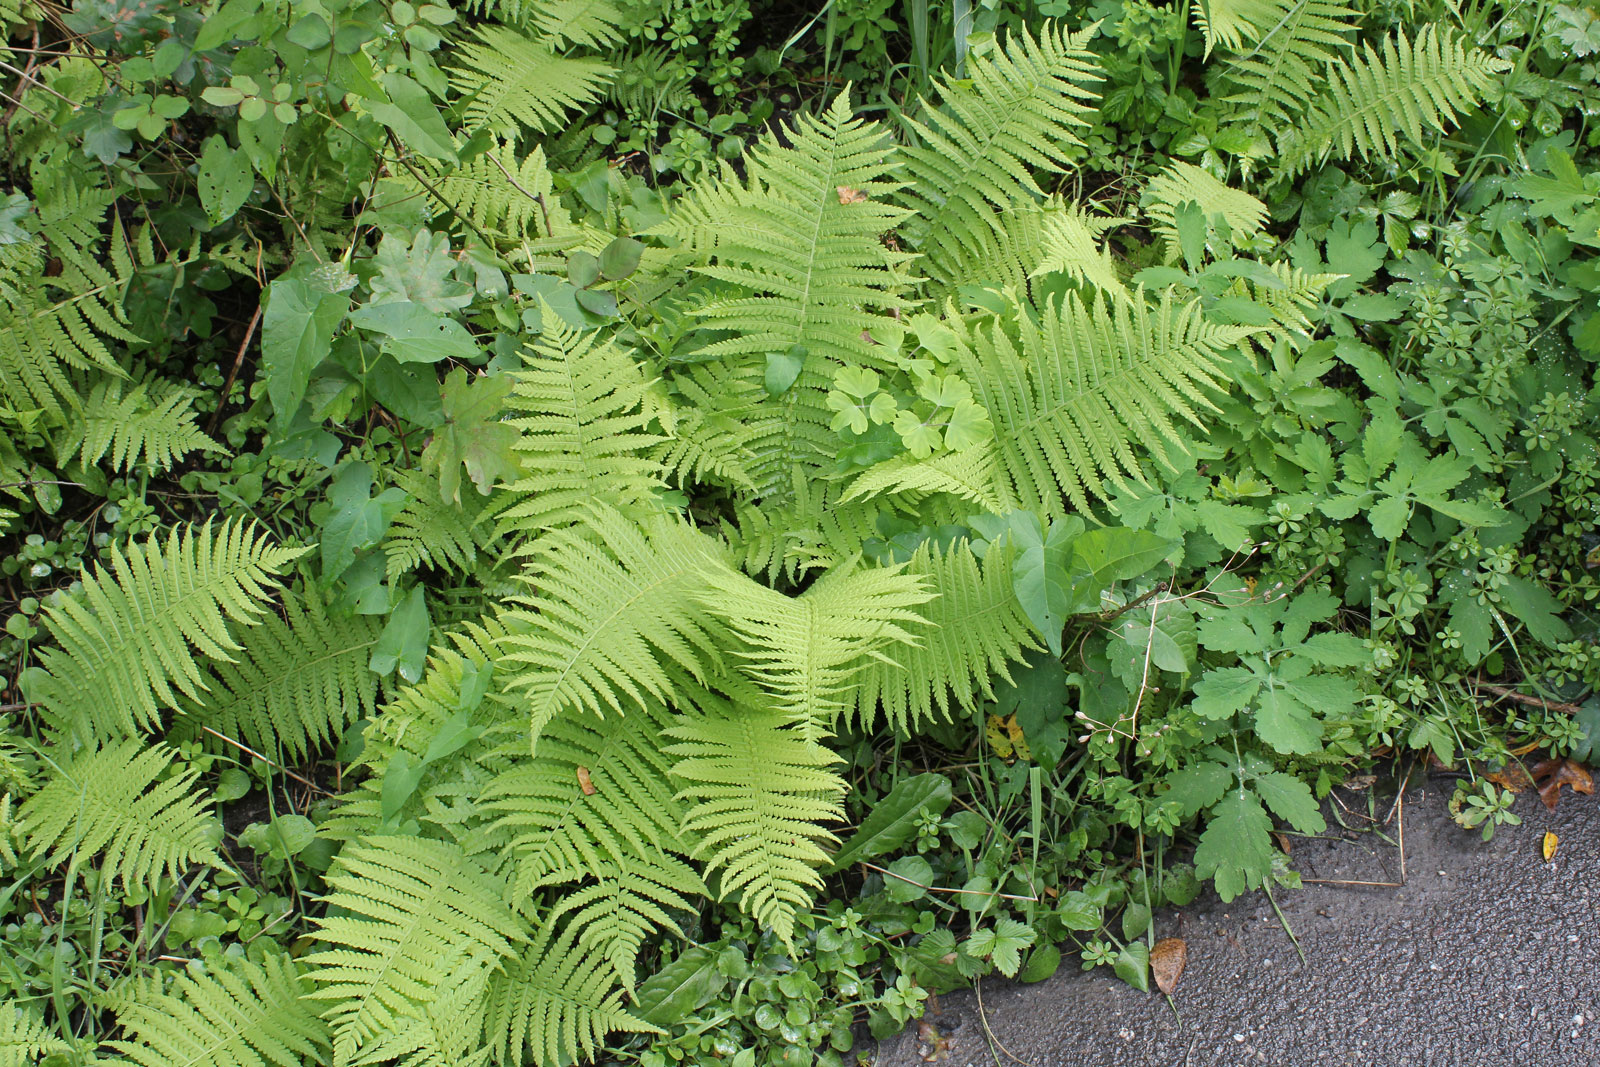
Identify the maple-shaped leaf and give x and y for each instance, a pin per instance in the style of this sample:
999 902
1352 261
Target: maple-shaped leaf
421 273
472 436
1236 848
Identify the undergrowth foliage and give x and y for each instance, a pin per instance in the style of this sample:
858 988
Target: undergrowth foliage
596 561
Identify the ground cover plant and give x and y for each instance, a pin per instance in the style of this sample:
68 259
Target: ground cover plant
668 533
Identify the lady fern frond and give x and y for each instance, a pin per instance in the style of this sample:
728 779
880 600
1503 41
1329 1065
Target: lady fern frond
579 403
301 679
509 81
1019 109
1282 70
970 475
972 630
235 1014
1068 246
759 794
429 532
25 1038
1374 100
498 194
1181 183
408 918
610 613
127 641
557 1001
804 651
1088 386
135 424
622 905
115 802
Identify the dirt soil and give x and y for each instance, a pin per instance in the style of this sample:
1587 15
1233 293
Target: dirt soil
1484 955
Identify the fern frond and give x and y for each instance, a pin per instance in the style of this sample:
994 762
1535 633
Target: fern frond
1373 100
1182 183
137 424
25 1038
610 612
970 475
409 918
560 831
579 403
1282 71
300 680
585 23
428 531
498 194
510 81
1068 247
971 631
127 640
1088 386
804 651
759 793
1231 23
1019 109
114 801
557 1001
446 1032
623 905
236 1014
815 530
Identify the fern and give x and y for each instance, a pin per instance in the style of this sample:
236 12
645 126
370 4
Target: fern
1230 23
624 905
1089 384
410 917
610 615
115 802
509 81
447 1032
1282 72
1371 100
1019 109
428 531
25 1038
760 793
125 639
970 476
557 1001
138 424
580 405
804 651
1068 247
499 194
972 630
237 1014
300 681
1182 183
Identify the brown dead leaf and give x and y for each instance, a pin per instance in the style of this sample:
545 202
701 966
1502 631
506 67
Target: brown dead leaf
1283 842
1357 782
1552 774
585 783
934 1045
1549 847
1513 776
1167 960
848 195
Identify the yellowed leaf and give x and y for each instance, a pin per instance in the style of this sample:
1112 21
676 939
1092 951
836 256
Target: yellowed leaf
1551 841
848 195
585 783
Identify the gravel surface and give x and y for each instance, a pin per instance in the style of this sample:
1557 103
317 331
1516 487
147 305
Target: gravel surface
1485 955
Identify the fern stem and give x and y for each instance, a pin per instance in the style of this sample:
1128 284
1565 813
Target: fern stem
242 747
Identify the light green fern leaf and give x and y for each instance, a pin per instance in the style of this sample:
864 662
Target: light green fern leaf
1019 109
236 1014
610 611
1182 183
1087 387
407 919
135 424
579 403
127 641
1231 23
300 681
429 532
1282 71
498 194
804 651
759 794
625 904
446 1032
972 630
25 1038
1374 102
557 1001
970 475
1068 246
115 802
509 82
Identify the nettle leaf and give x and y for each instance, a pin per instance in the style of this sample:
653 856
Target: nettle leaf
473 436
1236 847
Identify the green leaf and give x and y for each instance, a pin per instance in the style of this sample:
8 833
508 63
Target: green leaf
1133 966
620 258
893 820
1236 847
403 645
1225 691
455 734
1537 608
224 180
1198 786
413 334
1290 800
1043 962
410 112
783 368
1078 912
296 336
358 519
400 780
473 436
1285 722
1042 576
908 879
681 988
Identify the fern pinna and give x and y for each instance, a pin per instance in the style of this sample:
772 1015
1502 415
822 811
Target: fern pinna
762 514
